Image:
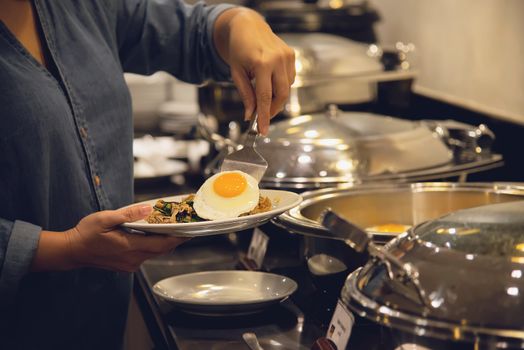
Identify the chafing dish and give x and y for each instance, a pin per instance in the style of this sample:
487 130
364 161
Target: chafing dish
334 147
329 69
329 259
406 204
450 283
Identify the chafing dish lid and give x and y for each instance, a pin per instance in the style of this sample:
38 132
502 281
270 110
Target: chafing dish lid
320 57
471 267
339 146
321 129
312 148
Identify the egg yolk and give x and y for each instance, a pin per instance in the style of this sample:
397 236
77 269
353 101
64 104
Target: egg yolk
230 185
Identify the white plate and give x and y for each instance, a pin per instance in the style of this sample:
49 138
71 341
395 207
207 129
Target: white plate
225 292
282 201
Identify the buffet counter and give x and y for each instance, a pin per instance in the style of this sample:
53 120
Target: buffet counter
279 327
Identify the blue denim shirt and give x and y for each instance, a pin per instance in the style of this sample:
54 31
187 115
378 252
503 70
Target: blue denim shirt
66 151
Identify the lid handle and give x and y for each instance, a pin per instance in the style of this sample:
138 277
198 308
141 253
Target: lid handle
354 236
360 240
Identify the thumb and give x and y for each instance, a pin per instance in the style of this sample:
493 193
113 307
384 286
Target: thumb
108 219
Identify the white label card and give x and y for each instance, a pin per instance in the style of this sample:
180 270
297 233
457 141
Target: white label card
257 247
339 329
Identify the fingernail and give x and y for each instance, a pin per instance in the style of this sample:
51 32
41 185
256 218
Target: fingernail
145 210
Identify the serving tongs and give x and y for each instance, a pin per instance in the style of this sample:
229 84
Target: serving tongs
247 159
360 240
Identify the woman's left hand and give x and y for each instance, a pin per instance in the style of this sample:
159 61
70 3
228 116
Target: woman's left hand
245 41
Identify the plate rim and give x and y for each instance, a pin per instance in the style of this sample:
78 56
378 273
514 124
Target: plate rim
206 302
133 225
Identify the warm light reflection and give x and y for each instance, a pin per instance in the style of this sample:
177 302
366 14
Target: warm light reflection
457 231
304 159
293 130
293 106
311 134
329 142
300 120
344 165
456 333
373 49
336 4
299 67
520 247
517 259
308 148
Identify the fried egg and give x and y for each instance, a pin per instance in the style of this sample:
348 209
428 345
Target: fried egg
226 195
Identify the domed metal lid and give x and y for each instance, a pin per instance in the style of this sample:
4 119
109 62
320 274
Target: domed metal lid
468 267
322 57
339 147
312 148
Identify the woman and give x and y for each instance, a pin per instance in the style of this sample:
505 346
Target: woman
65 148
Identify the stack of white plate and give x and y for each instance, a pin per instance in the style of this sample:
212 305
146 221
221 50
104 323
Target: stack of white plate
154 156
147 94
178 118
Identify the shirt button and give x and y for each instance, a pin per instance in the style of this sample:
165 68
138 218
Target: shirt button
97 180
83 132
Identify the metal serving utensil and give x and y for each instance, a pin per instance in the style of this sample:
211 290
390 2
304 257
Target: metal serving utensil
247 159
360 240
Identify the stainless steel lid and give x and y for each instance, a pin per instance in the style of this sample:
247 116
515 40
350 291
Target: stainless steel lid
468 267
336 147
333 148
323 57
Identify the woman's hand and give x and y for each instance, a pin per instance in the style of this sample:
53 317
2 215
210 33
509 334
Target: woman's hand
96 241
245 41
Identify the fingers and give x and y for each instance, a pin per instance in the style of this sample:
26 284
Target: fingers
291 70
154 244
107 219
245 89
274 78
281 91
264 96
139 249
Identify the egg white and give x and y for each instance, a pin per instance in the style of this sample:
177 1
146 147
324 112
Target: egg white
209 205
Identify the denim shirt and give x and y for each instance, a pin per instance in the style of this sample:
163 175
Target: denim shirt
66 151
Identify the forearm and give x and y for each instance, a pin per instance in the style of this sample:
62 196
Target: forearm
52 253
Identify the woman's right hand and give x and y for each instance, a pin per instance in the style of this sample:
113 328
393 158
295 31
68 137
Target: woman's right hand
96 241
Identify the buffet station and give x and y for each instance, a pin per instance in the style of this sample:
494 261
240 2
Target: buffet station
352 229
